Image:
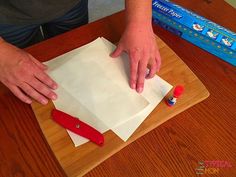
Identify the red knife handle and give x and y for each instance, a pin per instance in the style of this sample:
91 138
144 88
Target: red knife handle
75 125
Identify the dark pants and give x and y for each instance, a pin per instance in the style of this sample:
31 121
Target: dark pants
25 35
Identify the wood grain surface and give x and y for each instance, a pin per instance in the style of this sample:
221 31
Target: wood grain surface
78 161
206 131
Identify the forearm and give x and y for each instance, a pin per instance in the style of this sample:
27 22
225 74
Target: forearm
1 40
138 12
138 41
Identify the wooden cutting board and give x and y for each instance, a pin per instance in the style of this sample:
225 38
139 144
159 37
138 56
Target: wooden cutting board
78 161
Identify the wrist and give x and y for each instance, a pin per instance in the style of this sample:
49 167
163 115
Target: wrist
139 22
140 26
1 39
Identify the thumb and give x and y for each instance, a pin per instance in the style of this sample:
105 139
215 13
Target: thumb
117 52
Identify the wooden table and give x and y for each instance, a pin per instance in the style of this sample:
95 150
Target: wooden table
206 131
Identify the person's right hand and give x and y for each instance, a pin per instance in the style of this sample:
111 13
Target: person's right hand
24 75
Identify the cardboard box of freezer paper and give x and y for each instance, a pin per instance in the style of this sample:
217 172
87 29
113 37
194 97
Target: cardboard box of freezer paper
196 29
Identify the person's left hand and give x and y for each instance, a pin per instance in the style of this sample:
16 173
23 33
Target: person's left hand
139 42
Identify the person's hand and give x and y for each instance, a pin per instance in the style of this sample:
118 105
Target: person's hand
139 42
24 75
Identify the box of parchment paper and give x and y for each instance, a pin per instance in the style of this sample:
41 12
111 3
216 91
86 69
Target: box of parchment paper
196 29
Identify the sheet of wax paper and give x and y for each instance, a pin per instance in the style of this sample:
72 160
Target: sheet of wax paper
155 90
97 55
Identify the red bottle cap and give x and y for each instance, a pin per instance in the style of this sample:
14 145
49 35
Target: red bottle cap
178 91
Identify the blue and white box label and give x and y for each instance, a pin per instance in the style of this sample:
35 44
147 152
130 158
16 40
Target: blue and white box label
196 29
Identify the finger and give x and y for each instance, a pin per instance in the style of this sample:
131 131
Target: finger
44 78
152 70
33 93
158 60
18 93
142 67
43 89
38 63
134 58
117 52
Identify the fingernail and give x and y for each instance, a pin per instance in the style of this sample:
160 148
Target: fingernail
28 101
44 101
139 90
147 72
54 97
132 86
54 86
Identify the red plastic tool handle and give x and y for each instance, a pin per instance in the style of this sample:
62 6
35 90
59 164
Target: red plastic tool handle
80 128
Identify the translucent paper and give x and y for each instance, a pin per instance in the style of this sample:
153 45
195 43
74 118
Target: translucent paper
94 87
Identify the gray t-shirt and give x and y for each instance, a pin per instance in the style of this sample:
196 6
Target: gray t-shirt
33 11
